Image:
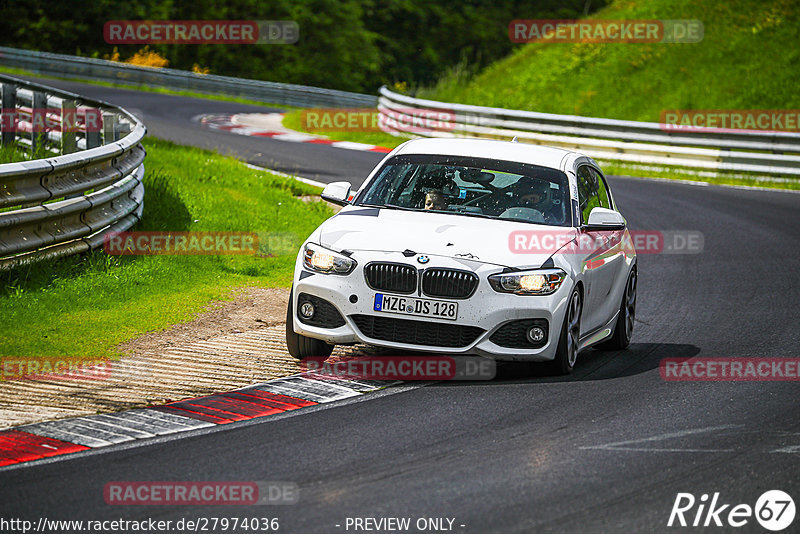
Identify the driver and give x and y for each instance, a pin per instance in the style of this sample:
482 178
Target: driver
434 200
532 193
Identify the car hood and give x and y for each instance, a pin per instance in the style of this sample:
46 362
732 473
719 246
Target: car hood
457 236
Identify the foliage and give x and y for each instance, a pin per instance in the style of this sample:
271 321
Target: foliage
148 58
354 45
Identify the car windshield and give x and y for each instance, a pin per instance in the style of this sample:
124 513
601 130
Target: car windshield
467 186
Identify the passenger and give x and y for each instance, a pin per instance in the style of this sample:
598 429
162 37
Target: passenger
532 193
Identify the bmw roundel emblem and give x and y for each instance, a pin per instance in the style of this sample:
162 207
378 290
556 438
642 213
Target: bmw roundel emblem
423 259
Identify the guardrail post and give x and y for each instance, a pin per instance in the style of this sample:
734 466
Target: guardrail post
9 122
69 119
109 128
39 112
94 136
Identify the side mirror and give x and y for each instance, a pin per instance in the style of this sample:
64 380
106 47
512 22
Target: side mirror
604 219
337 192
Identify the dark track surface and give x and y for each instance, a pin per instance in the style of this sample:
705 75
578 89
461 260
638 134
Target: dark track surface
170 117
523 453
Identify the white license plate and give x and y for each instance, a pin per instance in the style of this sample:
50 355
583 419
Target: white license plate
438 309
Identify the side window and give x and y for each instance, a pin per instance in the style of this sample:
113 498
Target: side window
602 189
588 196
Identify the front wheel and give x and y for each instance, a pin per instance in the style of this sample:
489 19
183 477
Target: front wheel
300 346
623 331
568 343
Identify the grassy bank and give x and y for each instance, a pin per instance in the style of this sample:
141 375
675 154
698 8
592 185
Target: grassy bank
743 62
86 305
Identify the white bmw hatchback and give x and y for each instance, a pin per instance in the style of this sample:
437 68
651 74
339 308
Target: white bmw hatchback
473 247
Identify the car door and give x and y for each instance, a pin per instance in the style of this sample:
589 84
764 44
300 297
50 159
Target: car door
601 250
613 275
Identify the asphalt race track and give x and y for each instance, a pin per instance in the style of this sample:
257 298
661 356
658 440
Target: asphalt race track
604 450
170 117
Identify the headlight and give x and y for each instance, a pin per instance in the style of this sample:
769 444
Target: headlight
323 260
534 282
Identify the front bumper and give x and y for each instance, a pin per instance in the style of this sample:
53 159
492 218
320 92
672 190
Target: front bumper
486 309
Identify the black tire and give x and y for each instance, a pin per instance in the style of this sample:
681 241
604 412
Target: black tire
568 342
300 346
623 329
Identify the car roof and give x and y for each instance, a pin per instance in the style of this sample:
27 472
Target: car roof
543 156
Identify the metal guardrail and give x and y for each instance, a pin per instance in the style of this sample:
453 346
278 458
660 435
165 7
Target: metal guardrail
769 153
116 72
67 203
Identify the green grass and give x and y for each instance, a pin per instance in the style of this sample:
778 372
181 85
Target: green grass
86 305
748 59
10 154
135 87
17 152
294 121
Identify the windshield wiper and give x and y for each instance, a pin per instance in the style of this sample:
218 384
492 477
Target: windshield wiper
511 219
446 212
404 208
470 214
387 206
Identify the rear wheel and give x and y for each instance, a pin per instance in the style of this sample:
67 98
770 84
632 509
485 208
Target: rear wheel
300 346
568 343
623 331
